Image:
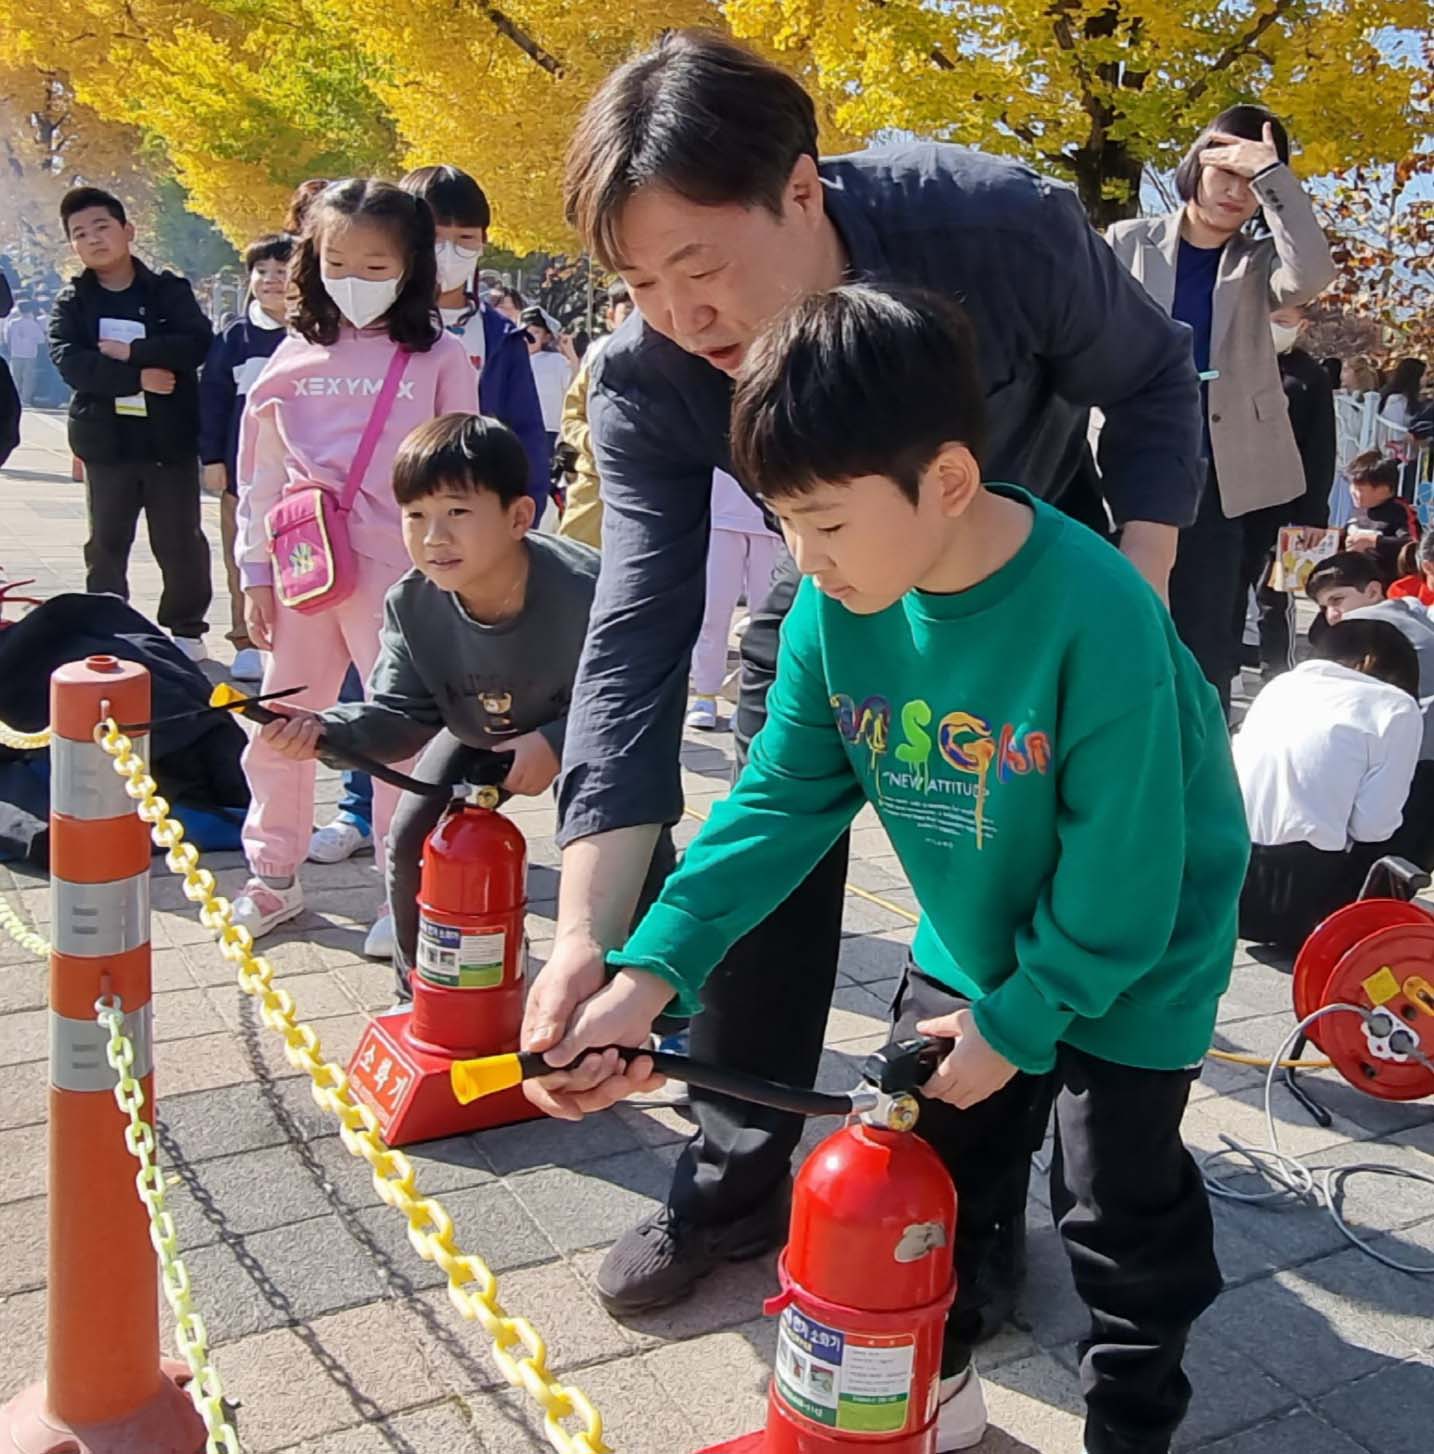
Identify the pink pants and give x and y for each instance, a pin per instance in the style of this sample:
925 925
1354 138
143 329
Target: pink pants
314 651
736 562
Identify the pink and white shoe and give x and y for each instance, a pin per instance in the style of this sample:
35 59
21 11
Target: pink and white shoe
261 908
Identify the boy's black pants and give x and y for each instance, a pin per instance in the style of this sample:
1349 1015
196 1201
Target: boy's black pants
1127 1200
168 494
448 760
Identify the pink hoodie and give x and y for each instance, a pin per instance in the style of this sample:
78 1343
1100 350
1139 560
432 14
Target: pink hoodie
303 420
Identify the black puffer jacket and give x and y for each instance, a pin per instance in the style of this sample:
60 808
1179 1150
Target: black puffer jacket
177 337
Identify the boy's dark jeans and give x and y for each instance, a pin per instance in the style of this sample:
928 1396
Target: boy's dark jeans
168 494
1130 1207
448 760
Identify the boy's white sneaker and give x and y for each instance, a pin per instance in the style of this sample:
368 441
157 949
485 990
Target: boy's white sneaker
248 665
261 908
336 841
192 647
961 1417
702 714
378 943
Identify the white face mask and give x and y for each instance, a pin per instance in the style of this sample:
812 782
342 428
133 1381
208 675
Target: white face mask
1285 337
362 300
456 265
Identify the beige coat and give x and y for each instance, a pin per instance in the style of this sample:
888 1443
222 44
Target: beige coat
1256 460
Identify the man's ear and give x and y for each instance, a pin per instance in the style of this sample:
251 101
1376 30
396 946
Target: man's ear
129 233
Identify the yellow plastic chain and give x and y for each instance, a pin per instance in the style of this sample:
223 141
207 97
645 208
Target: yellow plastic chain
23 741
205 1390
472 1286
22 933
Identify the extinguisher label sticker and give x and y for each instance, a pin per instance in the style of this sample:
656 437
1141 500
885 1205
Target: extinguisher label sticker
842 1380
455 960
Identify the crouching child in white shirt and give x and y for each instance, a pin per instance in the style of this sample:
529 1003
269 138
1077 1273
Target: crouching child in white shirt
1325 758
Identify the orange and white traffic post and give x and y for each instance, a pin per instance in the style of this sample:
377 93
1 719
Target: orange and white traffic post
106 1389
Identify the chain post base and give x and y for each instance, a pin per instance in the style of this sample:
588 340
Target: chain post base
167 1424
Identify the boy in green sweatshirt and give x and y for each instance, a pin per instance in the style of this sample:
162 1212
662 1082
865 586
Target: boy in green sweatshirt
1054 773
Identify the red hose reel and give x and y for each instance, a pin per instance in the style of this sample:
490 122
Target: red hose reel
1379 954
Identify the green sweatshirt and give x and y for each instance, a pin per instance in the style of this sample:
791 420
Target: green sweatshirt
1054 773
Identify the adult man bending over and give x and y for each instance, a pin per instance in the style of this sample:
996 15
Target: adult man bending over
694 174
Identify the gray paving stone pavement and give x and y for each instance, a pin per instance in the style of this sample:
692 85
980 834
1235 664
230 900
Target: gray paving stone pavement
335 1338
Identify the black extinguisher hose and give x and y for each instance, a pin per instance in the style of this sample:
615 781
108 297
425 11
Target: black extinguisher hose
474 1078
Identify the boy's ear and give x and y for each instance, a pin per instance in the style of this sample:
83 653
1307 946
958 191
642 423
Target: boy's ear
957 478
521 514
129 233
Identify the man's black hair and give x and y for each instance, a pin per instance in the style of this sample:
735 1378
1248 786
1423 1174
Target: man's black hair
1246 122
465 451
857 381
1356 569
454 197
274 247
1377 648
699 114
79 199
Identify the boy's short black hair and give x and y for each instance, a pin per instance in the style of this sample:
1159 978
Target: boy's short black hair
465 451
1376 648
1357 569
79 199
274 247
1373 468
857 381
455 198
1246 122
699 114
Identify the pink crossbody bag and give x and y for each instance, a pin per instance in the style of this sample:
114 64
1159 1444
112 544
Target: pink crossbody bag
308 530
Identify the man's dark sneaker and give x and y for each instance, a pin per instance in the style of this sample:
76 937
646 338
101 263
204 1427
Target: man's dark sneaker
1001 1278
663 1258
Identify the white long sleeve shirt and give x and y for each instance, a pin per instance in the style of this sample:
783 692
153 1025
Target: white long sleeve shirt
1326 756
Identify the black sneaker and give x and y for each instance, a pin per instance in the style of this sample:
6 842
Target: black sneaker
662 1259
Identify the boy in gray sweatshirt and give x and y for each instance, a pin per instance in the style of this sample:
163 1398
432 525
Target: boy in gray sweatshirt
479 645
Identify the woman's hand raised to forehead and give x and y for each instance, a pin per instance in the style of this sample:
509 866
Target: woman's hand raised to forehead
1239 155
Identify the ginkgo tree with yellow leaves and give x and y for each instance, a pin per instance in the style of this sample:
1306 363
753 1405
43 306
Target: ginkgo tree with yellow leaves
250 96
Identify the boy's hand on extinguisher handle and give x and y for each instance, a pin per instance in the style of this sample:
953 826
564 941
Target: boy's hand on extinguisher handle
535 765
296 734
621 1012
972 1070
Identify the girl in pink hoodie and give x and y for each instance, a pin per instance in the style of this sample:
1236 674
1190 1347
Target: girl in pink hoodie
362 285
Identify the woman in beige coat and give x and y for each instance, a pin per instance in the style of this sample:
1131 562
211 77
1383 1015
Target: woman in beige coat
1245 242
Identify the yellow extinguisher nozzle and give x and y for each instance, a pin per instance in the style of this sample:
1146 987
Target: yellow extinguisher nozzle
474 1078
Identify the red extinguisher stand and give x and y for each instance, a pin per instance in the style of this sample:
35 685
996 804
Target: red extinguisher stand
468 983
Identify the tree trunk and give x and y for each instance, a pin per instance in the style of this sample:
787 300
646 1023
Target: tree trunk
1093 168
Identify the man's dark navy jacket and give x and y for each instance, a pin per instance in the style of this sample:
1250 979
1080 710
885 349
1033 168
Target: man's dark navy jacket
1062 328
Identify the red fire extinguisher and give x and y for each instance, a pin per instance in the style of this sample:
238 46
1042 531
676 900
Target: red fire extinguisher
867 1275
472 906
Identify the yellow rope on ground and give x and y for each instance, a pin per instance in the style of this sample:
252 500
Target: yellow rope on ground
1234 1057
22 933
23 741
472 1287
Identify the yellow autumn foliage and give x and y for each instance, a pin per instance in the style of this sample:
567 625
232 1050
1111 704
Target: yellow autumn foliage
248 97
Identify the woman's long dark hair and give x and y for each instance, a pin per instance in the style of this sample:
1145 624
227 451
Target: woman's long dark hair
412 320
1406 379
